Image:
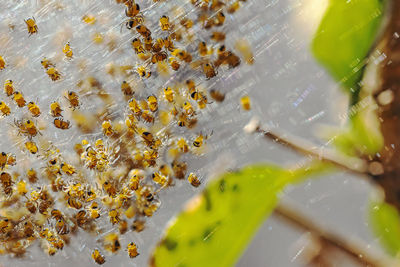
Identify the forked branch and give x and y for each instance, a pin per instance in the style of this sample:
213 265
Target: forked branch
328 238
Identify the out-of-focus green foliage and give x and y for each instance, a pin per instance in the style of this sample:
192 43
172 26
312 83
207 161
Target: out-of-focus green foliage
385 222
344 38
216 225
363 135
341 44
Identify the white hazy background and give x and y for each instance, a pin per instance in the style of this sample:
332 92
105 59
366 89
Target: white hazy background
289 90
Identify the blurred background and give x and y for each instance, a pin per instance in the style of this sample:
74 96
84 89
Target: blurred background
290 92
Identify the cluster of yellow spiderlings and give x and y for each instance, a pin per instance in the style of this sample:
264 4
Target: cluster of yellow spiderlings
117 176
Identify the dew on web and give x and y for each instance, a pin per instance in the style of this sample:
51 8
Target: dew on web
82 57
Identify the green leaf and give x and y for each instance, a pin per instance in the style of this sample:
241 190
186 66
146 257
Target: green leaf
385 222
216 225
362 136
344 38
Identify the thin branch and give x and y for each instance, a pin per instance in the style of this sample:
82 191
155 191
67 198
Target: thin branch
351 164
351 246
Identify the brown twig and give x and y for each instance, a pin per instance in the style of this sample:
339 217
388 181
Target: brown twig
352 247
351 164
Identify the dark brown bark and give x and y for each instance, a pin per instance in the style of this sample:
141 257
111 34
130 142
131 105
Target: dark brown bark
389 75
